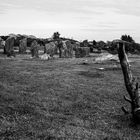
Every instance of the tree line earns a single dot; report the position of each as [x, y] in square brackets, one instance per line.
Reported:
[95, 46]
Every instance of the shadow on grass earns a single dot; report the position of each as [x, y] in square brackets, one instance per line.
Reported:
[112, 69]
[91, 74]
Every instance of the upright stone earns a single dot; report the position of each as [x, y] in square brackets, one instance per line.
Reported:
[67, 50]
[50, 48]
[34, 49]
[59, 46]
[9, 46]
[82, 52]
[2, 44]
[23, 46]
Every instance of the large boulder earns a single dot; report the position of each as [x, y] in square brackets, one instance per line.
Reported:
[82, 52]
[50, 48]
[76, 45]
[66, 49]
[106, 57]
[45, 56]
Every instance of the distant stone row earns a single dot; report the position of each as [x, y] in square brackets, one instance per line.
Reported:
[63, 48]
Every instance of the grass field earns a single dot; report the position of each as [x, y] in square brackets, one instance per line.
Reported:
[64, 99]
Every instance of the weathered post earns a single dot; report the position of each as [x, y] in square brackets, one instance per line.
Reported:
[131, 83]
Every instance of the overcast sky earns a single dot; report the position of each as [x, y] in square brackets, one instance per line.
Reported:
[78, 19]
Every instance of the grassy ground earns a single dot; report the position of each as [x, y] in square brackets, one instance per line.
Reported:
[64, 99]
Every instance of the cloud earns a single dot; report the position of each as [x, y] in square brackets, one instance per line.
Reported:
[77, 18]
[71, 6]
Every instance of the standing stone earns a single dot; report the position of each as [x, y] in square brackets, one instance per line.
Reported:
[66, 49]
[23, 46]
[82, 52]
[50, 48]
[34, 49]
[2, 44]
[59, 46]
[9, 46]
